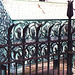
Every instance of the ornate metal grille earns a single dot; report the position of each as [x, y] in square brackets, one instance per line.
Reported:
[36, 41]
[25, 43]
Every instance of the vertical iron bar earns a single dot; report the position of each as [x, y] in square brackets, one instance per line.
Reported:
[53, 64]
[0, 70]
[37, 32]
[16, 68]
[48, 48]
[9, 42]
[23, 50]
[36, 51]
[63, 64]
[8, 60]
[5, 71]
[23, 68]
[30, 67]
[58, 63]
[59, 48]
[23, 57]
[59, 59]
[48, 54]
[69, 55]
[48, 61]
[8, 52]
[42, 66]
[36, 64]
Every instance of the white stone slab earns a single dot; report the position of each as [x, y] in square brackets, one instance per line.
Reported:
[36, 10]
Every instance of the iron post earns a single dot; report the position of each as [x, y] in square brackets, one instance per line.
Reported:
[23, 50]
[37, 32]
[48, 48]
[59, 48]
[69, 55]
[9, 42]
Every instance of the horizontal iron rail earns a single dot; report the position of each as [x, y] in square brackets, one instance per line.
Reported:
[34, 58]
[39, 19]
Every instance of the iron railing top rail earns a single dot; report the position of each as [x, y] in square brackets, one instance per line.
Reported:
[38, 19]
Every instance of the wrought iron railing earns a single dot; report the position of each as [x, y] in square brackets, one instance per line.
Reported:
[36, 41]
